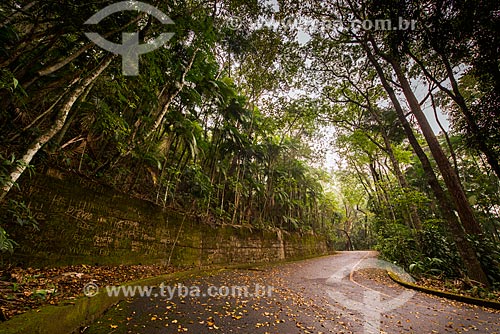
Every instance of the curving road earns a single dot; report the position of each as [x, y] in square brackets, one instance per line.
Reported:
[322, 295]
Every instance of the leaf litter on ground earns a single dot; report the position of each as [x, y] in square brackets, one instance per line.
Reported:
[24, 289]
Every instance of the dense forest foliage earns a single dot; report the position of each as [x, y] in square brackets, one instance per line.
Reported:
[227, 121]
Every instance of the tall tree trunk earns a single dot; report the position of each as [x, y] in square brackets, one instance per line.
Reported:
[237, 195]
[167, 100]
[39, 142]
[16, 13]
[450, 178]
[445, 133]
[467, 253]
[458, 98]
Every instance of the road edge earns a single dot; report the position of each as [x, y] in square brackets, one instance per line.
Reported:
[449, 295]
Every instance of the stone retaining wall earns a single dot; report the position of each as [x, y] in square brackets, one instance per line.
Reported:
[84, 222]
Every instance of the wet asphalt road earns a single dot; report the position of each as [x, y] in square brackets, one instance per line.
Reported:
[322, 295]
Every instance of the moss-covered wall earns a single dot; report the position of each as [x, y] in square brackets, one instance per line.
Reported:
[83, 222]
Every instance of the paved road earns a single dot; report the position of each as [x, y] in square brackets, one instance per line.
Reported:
[322, 295]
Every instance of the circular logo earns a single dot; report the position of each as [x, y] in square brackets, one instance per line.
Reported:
[233, 23]
[90, 289]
